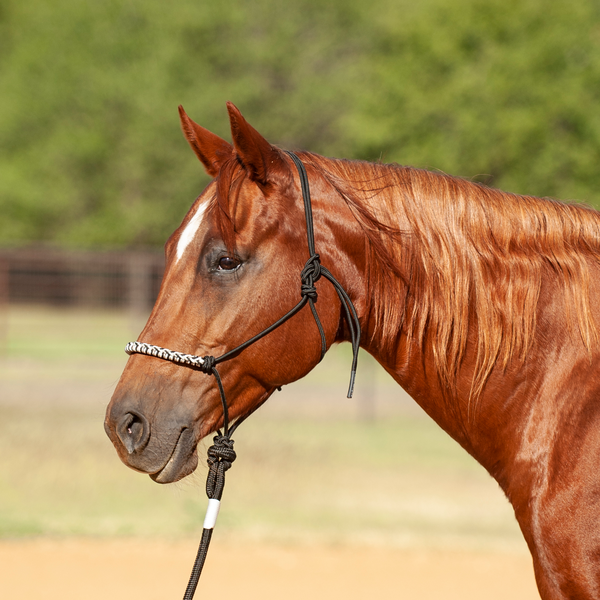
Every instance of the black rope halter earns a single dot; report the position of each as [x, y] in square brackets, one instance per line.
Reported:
[221, 453]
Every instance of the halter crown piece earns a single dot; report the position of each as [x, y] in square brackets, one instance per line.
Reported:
[221, 453]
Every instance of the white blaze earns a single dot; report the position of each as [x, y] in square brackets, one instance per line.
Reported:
[187, 235]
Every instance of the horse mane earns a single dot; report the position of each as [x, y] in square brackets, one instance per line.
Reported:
[469, 256]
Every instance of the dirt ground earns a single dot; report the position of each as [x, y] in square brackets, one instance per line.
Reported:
[153, 569]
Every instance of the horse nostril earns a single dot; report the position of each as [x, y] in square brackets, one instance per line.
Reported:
[134, 431]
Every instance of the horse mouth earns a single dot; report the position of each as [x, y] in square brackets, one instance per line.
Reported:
[182, 461]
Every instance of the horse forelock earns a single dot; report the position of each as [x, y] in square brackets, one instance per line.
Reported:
[229, 180]
[468, 256]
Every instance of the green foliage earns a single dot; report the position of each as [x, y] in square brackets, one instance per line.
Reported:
[90, 148]
[503, 89]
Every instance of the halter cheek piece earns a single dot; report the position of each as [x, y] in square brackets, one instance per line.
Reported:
[221, 454]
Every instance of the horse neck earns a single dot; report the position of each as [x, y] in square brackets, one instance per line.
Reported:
[459, 311]
[422, 318]
[369, 265]
[408, 355]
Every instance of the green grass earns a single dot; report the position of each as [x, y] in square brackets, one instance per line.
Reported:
[306, 470]
[62, 333]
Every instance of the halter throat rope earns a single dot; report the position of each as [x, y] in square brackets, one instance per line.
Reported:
[221, 453]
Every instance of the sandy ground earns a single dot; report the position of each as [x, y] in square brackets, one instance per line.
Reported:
[154, 569]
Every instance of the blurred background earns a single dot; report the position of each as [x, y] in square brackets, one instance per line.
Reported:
[360, 496]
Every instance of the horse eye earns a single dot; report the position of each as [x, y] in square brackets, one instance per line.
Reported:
[226, 263]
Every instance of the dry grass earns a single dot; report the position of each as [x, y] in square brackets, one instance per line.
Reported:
[309, 470]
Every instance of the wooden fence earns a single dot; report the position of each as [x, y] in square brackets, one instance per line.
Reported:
[78, 278]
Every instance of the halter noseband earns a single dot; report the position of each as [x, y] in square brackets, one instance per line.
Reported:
[221, 454]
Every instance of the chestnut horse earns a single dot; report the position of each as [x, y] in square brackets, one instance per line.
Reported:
[483, 305]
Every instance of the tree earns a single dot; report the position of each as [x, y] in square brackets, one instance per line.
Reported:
[505, 91]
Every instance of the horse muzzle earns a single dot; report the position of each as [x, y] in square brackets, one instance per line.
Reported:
[166, 451]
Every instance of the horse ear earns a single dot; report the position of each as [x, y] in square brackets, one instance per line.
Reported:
[212, 150]
[262, 161]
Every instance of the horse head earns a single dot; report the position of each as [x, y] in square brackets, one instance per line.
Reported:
[232, 268]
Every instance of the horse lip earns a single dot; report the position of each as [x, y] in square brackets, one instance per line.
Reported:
[181, 462]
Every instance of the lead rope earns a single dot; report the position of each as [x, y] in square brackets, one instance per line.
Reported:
[221, 454]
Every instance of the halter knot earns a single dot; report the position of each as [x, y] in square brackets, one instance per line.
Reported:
[221, 450]
[220, 456]
[309, 275]
[208, 364]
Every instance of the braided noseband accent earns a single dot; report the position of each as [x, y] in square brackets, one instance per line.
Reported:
[204, 363]
[221, 453]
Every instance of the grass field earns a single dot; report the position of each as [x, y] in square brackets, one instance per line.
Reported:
[309, 469]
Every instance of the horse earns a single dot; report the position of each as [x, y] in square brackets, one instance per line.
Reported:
[483, 305]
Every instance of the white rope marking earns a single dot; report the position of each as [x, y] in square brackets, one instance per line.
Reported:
[164, 353]
[190, 229]
[212, 512]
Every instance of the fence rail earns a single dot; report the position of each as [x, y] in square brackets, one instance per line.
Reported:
[80, 278]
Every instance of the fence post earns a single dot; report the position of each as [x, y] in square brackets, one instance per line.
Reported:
[140, 289]
[366, 389]
[4, 298]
